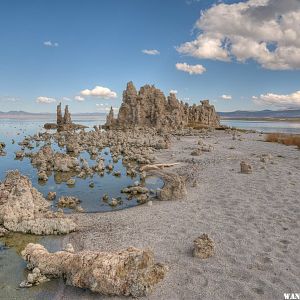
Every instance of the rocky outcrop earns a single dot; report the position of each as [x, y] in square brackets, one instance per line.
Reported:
[67, 116]
[150, 108]
[63, 123]
[174, 185]
[59, 117]
[128, 272]
[24, 209]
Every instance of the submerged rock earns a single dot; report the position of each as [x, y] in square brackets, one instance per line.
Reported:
[51, 196]
[24, 209]
[127, 272]
[203, 247]
[68, 201]
[2, 146]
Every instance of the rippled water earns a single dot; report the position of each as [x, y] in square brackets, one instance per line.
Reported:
[265, 126]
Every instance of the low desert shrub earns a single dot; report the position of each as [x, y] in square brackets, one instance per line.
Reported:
[286, 139]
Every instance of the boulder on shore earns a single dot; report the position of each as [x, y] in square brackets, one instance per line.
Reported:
[127, 272]
[24, 209]
[174, 185]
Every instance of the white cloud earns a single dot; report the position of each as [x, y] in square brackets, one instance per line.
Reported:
[79, 98]
[266, 31]
[9, 98]
[173, 92]
[281, 101]
[66, 99]
[151, 52]
[105, 107]
[99, 92]
[50, 44]
[226, 97]
[191, 69]
[45, 100]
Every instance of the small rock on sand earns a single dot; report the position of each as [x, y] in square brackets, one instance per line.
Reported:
[203, 247]
[246, 168]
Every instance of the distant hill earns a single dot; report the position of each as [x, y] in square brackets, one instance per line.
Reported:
[27, 115]
[243, 114]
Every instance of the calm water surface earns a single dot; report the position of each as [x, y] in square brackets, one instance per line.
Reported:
[265, 126]
[91, 197]
[12, 266]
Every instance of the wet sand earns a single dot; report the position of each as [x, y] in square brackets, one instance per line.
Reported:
[252, 218]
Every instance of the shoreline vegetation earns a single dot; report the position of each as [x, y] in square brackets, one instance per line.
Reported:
[285, 139]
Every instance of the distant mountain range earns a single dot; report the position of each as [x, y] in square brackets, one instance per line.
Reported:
[238, 114]
[27, 115]
[262, 114]
[21, 112]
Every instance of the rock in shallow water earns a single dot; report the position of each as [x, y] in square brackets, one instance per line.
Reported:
[127, 272]
[24, 209]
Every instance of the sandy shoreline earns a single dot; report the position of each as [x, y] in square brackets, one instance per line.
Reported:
[252, 218]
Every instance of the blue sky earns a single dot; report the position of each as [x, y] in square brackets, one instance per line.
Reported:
[55, 50]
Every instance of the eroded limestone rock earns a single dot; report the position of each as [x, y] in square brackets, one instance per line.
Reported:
[24, 209]
[128, 272]
[63, 123]
[51, 196]
[203, 247]
[150, 108]
[174, 185]
[68, 201]
[2, 146]
[246, 168]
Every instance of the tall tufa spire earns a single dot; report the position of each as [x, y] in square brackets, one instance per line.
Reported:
[67, 116]
[59, 118]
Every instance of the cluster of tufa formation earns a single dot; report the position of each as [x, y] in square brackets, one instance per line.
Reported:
[128, 272]
[150, 108]
[24, 209]
[63, 123]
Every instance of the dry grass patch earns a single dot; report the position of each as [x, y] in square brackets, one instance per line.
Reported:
[286, 139]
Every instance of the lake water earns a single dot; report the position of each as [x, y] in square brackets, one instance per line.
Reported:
[12, 266]
[91, 197]
[265, 126]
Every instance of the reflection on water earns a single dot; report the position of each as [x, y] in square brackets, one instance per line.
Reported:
[265, 126]
[89, 190]
[12, 266]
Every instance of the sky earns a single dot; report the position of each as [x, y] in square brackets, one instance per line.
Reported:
[241, 55]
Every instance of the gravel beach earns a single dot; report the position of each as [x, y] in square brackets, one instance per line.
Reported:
[253, 220]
